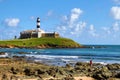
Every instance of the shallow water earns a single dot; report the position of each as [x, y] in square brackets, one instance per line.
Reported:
[103, 54]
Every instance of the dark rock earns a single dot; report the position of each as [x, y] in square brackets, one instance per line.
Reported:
[14, 71]
[78, 64]
[39, 71]
[4, 77]
[90, 70]
[27, 72]
[68, 66]
[40, 78]
[113, 66]
[117, 75]
[77, 68]
[56, 72]
[2, 53]
[52, 71]
[62, 72]
[102, 75]
[72, 71]
[97, 76]
[19, 58]
[81, 65]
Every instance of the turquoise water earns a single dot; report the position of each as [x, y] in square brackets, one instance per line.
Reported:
[103, 54]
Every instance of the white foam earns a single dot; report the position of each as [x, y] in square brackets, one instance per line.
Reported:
[101, 63]
[97, 62]
[37, 60]
[50, 57]
[4, 55]
[66, 60]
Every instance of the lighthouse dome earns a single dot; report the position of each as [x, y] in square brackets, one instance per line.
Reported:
[38, 19]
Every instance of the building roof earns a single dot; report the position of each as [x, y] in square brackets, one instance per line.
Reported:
[32, 31]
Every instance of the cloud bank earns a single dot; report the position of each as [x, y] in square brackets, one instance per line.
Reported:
[72, 25]
[12, 22]
[115, 11]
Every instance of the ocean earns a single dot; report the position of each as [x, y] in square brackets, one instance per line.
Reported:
[104, 54]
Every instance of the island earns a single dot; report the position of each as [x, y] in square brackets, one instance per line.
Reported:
[38, 38]
[46, 42]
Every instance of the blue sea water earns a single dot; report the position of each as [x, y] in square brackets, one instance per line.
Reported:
[104, 54]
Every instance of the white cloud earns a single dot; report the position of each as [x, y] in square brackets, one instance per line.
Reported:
[75, 14]
[114, 29]
[107, 30]
[70, 25]
[12, 22]
[115, 26]
[80, 26]
[62, 28]
[92, 31]
[91, 27]
[117, 1]
[115, 11]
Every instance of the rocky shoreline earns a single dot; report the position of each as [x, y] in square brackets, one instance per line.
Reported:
[40, 47]
[47, 46]
[18, 68]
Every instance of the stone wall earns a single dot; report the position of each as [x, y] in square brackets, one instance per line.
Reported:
[35, 35]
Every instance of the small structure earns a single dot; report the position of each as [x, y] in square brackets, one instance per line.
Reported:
[37, 33]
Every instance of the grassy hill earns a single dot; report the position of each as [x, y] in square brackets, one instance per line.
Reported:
[40, 43]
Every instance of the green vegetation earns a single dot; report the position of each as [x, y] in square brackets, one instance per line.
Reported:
[40, 43]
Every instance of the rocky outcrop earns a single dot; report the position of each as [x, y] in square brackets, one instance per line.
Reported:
[98, 71]
[39, 70]
[102, 74]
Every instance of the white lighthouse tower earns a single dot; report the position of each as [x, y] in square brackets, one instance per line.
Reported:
[38, 24]
[39, 31]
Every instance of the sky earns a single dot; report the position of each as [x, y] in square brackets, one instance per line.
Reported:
[85, 21]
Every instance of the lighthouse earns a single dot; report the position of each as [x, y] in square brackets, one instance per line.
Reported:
[38, 24]
[37, 33]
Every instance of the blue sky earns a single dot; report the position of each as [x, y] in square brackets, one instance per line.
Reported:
[85, 21]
